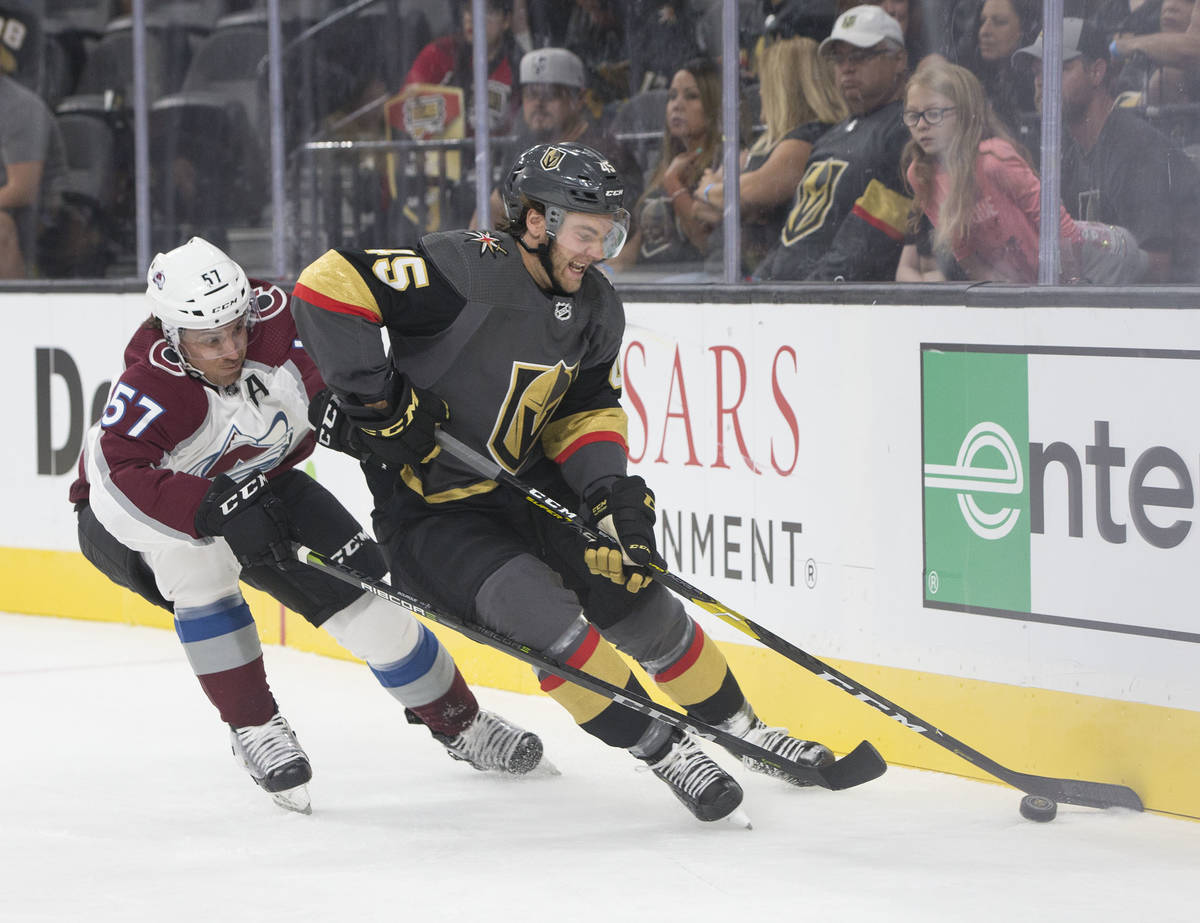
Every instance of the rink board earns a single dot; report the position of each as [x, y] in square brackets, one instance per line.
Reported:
[814, 471]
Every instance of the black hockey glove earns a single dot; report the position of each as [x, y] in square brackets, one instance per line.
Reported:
[333, 428]
[407, 436]
[249, 517]
[625, 511]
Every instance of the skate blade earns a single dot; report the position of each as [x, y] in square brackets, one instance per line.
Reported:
[294, 799]
[739, 818]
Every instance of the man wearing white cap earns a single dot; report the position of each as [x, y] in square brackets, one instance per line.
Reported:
[848, 216]
[553, 109]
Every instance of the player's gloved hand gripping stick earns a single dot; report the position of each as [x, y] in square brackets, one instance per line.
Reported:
[1068, 791]
[406, 436]
[249, 517]
[625, 511]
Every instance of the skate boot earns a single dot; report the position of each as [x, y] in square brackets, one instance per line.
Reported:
[275, 761]
[705, 789]
[746, 725]
[490, 742]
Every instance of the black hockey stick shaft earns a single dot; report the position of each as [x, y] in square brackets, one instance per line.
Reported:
[1068, 791]
[860, 765]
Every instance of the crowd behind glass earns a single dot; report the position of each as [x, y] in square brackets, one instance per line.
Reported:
[899, 141]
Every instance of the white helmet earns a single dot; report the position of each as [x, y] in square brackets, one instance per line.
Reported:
[197, 287]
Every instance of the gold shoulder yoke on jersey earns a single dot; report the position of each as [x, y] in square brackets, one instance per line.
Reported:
[334, 283]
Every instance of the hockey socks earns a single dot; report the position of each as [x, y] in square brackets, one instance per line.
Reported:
[614, 724]
[696, 675]
[222, 646]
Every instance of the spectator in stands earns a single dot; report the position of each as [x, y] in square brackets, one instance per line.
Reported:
[548, 22]
[1124, 17]
[973, 182]
[595, 32]
[1144, 81]
[662, 37]
[630, 46]
[848, 216]
[32, 166]
[1005, 26]
[908, 14]
[552, 109]
[1116, 167]
[1169, 49]
[669, 230]
[800, 102]
[448, 61]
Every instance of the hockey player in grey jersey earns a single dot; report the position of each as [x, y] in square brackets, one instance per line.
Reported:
[510, 341]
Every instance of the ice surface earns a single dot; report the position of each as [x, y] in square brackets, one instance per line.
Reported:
[120, 801]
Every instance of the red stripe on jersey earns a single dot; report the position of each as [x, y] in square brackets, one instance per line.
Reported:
[332, 304]
[587, 439]
[581, 656]
[877, 223]
[684, 663]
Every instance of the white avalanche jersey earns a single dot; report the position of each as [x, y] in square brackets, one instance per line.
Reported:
[165, 435]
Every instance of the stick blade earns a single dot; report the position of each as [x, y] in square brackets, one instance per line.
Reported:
[1084, 793]
[862, 764]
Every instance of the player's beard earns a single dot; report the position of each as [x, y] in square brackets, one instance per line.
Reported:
[558, 284]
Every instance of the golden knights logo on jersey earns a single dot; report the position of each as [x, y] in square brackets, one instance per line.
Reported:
[488, 243]
[534, 393]
[814, 198]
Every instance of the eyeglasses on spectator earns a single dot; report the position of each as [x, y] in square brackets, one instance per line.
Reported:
[932, 116]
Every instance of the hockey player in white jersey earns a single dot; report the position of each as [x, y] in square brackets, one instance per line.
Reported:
[188, 482]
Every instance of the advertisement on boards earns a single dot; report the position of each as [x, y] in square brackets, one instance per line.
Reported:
[1060, 485]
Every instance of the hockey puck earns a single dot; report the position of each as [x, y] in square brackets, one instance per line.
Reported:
[1038, 808]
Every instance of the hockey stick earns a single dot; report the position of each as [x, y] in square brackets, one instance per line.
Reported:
[860, 765]
[1068, 791]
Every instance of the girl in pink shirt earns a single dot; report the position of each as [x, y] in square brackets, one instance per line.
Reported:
[974, 182]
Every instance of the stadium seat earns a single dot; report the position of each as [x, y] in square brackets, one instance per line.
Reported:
[91, 151]
[208, 170]
[89, 16]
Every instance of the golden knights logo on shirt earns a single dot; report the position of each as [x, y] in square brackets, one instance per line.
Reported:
[488, 243]
[534, 393]
[814, 198]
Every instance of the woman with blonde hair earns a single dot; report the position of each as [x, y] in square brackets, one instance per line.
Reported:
[800, 102]
[973, 182]
[669, 229]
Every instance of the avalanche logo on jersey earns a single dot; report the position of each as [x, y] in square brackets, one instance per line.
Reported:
[163, 356]
[242, 452]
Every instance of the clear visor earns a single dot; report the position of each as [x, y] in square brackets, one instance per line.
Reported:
[600, 236]
[225, 341]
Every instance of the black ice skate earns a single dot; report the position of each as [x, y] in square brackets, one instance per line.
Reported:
[272, 755]
[491, 743]
[746, 725]
[705, 789]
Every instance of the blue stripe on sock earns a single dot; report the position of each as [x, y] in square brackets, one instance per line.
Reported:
[223, 622]
[412, 667]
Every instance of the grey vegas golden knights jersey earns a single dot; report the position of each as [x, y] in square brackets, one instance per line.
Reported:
[848, 216]
[525, 374]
